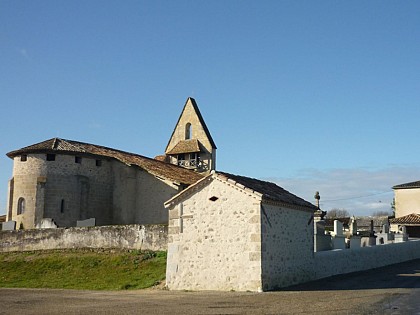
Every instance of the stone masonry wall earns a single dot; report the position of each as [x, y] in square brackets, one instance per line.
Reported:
[149, 237]
[216, 245]
[287, 246]
[84, 189]
[138, 196]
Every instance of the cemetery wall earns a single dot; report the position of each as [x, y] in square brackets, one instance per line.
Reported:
[335, 262]
[135, 236]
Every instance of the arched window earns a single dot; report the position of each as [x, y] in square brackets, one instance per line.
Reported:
[188, 131]
[21, 206]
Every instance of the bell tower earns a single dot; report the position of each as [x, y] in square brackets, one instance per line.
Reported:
[191, 145]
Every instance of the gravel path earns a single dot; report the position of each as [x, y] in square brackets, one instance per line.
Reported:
[389, 290]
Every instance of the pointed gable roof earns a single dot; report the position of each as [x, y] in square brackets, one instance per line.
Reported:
[192, 101]
[158, 168]
[262, 190]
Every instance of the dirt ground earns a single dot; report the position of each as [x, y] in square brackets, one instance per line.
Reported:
[390, 290]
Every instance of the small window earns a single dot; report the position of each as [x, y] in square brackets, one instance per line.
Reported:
[214, 198]
[21, 206]
[188, 131]
[50, 157]
[23, 158]
[98, 163]
[78, 159]
[62, 206]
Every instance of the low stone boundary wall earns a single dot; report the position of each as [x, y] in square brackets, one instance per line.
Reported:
[335, 262]
[135, 236]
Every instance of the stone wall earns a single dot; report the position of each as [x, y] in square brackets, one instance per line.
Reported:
[61, 189]
[138, 196]
[287, 246]
[215, 241]
[145, 237]
[67, 191]
[335, 262]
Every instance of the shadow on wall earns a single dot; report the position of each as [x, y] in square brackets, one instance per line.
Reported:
[403, 275]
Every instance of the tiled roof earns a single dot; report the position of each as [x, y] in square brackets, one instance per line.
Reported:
[2, 218]
[408, 185]
[268, 190]
[165, 170]
[411, 219]
[185, 146]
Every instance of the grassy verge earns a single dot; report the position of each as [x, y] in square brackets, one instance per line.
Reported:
[82, 269]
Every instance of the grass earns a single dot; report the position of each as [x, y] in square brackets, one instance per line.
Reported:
[82, 269]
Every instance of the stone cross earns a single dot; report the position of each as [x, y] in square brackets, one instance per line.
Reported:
[317, 198]
[353, 226]
[182, 216]
[372, 232]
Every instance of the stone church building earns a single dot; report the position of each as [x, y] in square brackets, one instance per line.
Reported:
[67, 181]
[225, 232]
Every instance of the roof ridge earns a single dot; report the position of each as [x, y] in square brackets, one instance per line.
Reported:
[155, 167]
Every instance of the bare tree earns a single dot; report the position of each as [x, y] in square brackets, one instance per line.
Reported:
[337, 213]
[381, 213]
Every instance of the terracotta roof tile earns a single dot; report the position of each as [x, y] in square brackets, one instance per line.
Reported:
[165, 170]
[411, 219]
[268, 190]
[185, 146]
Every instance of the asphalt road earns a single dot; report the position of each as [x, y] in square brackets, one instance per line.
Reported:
[390, 290]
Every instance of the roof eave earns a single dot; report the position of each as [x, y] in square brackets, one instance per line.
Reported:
[269, 201]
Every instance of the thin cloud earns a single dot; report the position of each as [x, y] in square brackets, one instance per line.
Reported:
[23, 52]
[359, 191]
[94, 125]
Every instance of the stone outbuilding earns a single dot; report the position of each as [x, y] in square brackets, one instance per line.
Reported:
[229, 232]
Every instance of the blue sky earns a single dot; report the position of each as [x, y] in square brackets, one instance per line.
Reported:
[313, 95]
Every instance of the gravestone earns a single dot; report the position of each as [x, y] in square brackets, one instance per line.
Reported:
[9, 225]
[338, 239]
[385, 237]
[46, 223]
[87, 222]
[401, 236]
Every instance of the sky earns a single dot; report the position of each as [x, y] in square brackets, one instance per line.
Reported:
[312, 95]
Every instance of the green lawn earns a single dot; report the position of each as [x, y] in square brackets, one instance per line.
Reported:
[82, 269]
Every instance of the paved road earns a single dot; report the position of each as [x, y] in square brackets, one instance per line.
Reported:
[390, 290]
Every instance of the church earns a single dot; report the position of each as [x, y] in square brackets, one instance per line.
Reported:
[68, 181]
